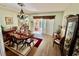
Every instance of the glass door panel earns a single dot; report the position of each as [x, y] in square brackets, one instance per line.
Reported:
[69, 35]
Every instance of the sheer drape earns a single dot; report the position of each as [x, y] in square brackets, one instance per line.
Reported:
[44, 24]
[49, 26]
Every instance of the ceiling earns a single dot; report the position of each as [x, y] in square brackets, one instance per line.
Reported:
[38, 7]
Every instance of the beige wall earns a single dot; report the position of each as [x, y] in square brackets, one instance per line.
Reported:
[7, 13]
[74, 9]
[71, 10]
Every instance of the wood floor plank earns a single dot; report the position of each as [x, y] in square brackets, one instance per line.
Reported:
[46, 48]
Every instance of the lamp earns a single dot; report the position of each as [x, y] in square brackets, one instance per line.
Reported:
[21, 14]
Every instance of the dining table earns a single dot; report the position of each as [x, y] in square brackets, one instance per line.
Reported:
[18, 37]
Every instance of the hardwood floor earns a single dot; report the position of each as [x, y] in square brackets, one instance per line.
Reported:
[9, 53]
[45, 48]
[33, 51]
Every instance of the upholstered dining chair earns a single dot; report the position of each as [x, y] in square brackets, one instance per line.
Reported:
[16, 41]
[28, 42]
[60, 43]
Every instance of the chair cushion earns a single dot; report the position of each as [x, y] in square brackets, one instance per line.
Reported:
[57, 41]
[29, 41]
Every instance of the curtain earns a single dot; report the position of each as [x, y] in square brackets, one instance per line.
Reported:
[49, 27]
[2, 48]
[44, 17]
[44, 24]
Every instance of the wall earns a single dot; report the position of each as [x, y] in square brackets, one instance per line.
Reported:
[73, 9]
[57, 21]
[70, 10]
[7, 13]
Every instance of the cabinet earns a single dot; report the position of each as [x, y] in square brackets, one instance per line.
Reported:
[71, 37]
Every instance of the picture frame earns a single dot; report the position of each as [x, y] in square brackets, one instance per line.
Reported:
[9, 20]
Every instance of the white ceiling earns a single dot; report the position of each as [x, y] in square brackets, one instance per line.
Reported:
[38, 7]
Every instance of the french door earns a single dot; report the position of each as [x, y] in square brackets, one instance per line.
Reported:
[45, 26]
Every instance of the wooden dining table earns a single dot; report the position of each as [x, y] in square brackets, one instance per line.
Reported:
[18, 37]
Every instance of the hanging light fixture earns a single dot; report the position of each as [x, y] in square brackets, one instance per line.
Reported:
[21, 14]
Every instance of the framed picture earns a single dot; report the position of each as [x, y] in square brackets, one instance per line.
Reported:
[9, 20]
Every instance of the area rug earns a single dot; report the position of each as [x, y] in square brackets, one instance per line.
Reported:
[26, 49]
[38, 42]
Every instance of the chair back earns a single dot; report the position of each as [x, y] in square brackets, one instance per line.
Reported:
[14, 39]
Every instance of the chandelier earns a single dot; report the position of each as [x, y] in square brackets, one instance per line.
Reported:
[21, 14]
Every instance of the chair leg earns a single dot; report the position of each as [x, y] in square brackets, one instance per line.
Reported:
[23, 45]
[33, 43]
[61, 49]
[17, 47]
[53, 44]
[30, 46]
[12, 44]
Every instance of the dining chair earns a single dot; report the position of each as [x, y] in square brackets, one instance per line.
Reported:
[60, 44]
[28, 42]
[16, 41]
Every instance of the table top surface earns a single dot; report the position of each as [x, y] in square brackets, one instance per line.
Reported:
[18, 36]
